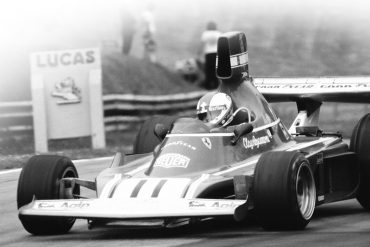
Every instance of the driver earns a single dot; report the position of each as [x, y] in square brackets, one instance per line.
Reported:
[215, 109]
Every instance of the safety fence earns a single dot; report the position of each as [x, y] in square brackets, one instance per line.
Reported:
[121, 111]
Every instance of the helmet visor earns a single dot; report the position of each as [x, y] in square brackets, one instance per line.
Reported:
[216, 112]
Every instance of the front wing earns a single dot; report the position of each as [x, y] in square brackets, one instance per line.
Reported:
[133, 208]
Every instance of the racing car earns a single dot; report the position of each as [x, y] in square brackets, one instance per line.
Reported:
[183, 170]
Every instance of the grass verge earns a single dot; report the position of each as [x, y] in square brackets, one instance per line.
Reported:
[16, 150]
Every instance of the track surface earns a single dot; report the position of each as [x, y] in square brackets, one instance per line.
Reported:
[338, 224]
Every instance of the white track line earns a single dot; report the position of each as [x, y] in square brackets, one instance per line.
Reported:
[10, 171]
[76, 162]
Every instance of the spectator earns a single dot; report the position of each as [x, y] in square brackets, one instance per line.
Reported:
[190, 69]
[149, 43]
[128, 28]
[209, 51]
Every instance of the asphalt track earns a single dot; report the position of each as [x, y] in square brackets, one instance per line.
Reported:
[337, 224]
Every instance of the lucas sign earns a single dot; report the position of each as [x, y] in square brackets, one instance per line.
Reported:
[67, 96]
[64, 59]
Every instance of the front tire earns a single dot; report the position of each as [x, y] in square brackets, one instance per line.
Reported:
[40, 179]
[284, 191]
[360, 144]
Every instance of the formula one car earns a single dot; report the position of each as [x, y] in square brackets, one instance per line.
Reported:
[183, 170]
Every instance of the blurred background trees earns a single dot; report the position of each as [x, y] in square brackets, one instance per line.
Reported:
[285, 38]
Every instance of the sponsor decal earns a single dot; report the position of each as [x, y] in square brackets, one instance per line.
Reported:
[180, 143]
[287, 86]
[238, 60]
[245, 74]
[217, 108]
[64, 205]
[254, 142]
[214, 205]
[67, 92]
[45, 205]
[172, 160]
[207, 142]
[72, 205]
[204, 107]
[313, 86]
[67, 58]
[193, 204]
[224, 205]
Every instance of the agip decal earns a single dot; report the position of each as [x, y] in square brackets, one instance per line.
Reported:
[216, 205]
[172, 160]
[62, 205]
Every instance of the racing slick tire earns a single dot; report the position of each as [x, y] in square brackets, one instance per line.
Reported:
[360, 144]
[40, 179]
[146, 140]
[284, 191]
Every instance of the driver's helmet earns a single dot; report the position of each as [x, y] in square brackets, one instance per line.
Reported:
[215, 109]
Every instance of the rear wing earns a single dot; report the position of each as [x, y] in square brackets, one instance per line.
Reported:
[310, 92]
[319, 89]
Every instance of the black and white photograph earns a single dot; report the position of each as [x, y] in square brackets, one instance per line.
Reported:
[183, 123]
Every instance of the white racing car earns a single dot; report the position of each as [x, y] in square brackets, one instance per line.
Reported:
[184, 170]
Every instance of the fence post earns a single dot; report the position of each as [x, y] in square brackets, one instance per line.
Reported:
[39, 114]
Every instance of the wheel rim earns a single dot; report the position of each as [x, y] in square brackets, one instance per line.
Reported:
[306, 191]
[68, 173]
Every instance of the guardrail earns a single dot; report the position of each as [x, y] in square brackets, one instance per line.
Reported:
[121, 111]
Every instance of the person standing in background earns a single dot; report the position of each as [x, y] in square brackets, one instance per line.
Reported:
[149, 43]
[209, 40]
[128, 28]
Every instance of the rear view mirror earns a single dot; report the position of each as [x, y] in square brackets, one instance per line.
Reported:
[116, 160]
[240, 130]
[160, 131]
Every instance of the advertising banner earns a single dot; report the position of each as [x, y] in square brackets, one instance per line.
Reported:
[67, 96]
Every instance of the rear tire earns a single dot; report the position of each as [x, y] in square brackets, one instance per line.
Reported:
[146, 140]
[284, 191]
[360, 144]
[40, 179]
